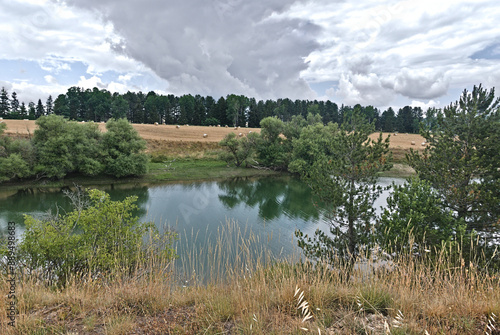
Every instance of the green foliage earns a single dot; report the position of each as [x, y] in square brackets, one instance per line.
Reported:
[343, 173]
[96, 238]
[315, 141]
[51, 140]
[124, 148]
[60, 147]
[13, 166]
[415, 211]
[238, 150]
[273, 150]
[211, 121]
[16, 157]
[462, 158]
[63, 147]
[86, 148]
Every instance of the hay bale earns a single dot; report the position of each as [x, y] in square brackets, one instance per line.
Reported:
[412, 142]
[423, 144]
[177, 126]
[240, 134]
[205, 135]
[156, 123]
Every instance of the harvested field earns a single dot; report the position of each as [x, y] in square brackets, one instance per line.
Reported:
[151, 131]
[195, 133]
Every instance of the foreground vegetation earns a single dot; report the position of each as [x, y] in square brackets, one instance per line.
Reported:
[412, 295]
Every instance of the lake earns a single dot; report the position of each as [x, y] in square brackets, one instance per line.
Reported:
[260, 215]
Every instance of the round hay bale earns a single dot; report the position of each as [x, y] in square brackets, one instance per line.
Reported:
[240, 134]
[205, 135]
[412, 142]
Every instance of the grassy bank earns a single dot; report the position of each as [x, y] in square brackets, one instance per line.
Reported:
[412, 296]
[171, 161]
[175, 161]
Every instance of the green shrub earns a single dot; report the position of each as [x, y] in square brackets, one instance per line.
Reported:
[124, 150]
[415, 210]
[98, 237]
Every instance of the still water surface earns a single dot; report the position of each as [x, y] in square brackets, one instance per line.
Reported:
[201, 212]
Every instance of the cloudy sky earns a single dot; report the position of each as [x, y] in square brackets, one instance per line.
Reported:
[372, 52]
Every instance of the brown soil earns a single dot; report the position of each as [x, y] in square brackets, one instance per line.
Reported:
[196, 133]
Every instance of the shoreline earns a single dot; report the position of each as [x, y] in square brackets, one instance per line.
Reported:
[182, 170]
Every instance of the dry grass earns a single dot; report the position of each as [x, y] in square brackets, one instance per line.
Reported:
[262, 296]
[150, 131]
[195, 133]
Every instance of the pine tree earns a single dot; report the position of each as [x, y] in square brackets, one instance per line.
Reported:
[4, 102]
[342, 167]
[31, 109]
[462, 158]
[40, 110]
[49, 105]
[14, 103]
[23, 112]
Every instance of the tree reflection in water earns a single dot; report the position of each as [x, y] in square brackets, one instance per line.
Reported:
[273, 197]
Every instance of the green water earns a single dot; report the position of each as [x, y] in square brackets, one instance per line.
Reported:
[264, 212]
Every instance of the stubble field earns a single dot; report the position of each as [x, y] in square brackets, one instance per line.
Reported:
[196, 133]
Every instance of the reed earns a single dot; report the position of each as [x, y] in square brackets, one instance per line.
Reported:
[236, 286]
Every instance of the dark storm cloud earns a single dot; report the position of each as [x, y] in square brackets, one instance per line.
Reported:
[215, 47]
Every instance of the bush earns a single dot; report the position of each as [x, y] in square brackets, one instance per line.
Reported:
[238, 151]
[98, 237]
[415, 210]
[124, 150]
[12, 167]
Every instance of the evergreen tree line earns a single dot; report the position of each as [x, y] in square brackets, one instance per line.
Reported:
[233, 110]
[60, 147]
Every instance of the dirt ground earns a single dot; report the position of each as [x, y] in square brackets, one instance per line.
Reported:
[196, 133]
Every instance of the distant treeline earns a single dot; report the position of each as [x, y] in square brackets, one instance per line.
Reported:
[233, 110]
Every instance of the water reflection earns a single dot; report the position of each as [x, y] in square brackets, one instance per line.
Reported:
[273, 197]
[38, 201]
[269, 210]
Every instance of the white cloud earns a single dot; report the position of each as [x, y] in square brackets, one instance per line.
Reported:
[421, 83]
[425, 105]
[91, 82]
[50, 79]
[362, 89]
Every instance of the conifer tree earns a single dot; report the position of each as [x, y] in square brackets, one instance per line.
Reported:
[462, 158]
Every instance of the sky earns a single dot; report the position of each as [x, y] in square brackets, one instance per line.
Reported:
[372, 52]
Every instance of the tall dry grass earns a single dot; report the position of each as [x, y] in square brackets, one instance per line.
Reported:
[247, 291]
